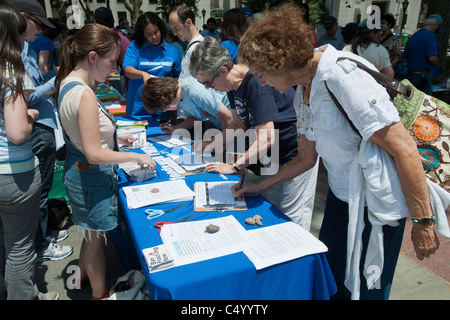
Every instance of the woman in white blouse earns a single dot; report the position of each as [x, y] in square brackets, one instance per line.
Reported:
[282, 60]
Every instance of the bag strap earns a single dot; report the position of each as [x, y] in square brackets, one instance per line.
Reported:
[387, 38]
[339, 106]
[66, 89]
[190, 45]
[72, 85]
[392, 85]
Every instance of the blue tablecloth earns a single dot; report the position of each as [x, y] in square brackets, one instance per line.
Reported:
[229, 277]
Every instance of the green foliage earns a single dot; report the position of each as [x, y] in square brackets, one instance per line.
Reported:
[217, 13]
[317, 10]
[166, 6]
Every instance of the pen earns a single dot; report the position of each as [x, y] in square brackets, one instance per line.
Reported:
[242, 173]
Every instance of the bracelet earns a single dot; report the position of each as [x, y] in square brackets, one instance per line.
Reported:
[426, 220]
[236, 169]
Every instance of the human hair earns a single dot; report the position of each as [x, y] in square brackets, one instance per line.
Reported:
[52, 33]
[362, 39]
[233, 26]
[158, 92]
[208, 56]
[305, 8]
[271, 46]
[92, 37]
[431, 21]
[12, 24]
[389, 19]
[211, 19]
[143, 21]
[184, 13]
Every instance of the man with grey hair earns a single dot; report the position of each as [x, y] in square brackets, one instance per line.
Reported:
[421, 54]
[269, 116]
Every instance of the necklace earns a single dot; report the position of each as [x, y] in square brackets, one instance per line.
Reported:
[308, 84]
[303, 109]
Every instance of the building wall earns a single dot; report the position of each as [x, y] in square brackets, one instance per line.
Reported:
[347, 11]
[118, 9]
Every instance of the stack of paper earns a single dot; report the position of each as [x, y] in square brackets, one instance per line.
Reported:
[116, 107]
[138, 133]
[193, 163]
[137, 172]
[157, 259]
[124, 124]
[170, 141]
[155, 193]
[217, 195]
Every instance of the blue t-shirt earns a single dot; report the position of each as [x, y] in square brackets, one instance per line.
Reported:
[200, 102]
[267, 104]
[206, 33]
[39, 99]
[14, 158]
[232, 48]
[161, 61]
[419, 47]
[42, 43]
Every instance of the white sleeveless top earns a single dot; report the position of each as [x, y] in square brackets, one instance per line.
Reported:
[68, 112]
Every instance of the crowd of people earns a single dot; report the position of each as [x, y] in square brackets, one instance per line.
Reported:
[252, 75]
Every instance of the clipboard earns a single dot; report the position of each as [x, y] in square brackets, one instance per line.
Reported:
[206, 191]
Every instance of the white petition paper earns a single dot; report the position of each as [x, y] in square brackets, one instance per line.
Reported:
[282, 242]
[189, 242]
[160, 192]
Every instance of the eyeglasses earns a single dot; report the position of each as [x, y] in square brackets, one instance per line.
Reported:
[209, 85]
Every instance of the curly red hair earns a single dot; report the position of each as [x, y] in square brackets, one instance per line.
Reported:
[277, 42]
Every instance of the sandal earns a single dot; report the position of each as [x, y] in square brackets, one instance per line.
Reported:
[103, 297]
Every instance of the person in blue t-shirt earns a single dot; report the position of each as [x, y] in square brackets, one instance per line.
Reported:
[44, 49]
[232, 29]
[421, 54]
[188, 94]
[211, 30]
[148, 55]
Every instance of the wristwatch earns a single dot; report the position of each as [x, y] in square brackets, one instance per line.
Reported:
[426, 220]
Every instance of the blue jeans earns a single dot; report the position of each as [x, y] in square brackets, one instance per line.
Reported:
[421, 81]
[19, 217]
[44, 147]
[333, 234]
[92, 191]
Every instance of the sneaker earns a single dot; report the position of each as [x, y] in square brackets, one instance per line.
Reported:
[54, 252]
[58, 235]
[51, 295]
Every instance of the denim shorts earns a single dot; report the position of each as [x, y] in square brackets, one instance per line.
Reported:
[92, 193]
